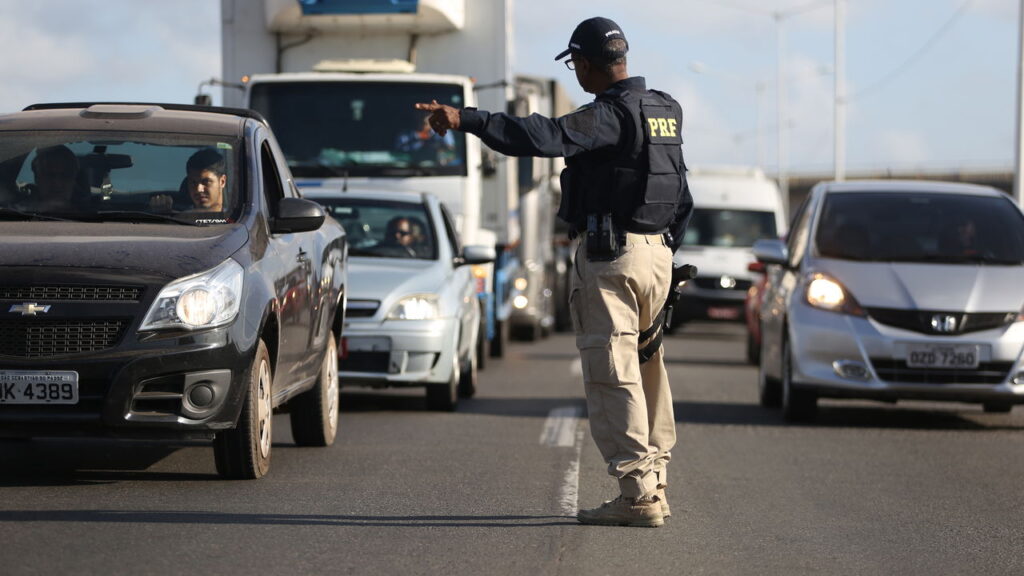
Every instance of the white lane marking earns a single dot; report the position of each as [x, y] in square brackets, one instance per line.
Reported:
[568, 496]
[576, 367]
[562, 429]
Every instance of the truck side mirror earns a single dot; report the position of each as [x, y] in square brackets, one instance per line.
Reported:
[203, 100]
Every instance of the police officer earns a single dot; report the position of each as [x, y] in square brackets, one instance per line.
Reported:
[624, 195]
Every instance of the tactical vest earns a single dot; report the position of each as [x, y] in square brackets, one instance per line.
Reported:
[640, 186]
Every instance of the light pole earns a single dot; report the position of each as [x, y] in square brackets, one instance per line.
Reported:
[1018, 182]
[839, 106]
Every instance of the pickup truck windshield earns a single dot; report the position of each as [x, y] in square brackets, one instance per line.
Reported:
[356, 128]
[119, 176]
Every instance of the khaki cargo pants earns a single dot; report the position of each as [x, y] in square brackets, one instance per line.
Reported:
[629, 404]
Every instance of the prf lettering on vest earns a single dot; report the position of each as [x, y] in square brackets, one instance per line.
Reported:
[662, 127]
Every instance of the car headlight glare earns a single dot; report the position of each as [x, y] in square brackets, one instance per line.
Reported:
[520, 284]
[205, 300]
[828, 294]
[420, 307]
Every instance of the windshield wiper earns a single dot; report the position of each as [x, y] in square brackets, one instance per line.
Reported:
[12, 214]
[139, 216]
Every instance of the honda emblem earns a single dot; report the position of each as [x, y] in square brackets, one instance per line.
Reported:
[945, 323]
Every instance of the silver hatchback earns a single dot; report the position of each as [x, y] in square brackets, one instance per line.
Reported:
[891, 290]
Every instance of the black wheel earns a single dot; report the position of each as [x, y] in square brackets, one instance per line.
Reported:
[797, 405]
[528, 333]
[468, 377]
[753, 349]
[243, 453]
[314, 413]
[500, 341]
[997, 407]
[445, 397]
[483, 346]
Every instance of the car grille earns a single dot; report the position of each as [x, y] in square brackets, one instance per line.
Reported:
[361, 308]
[77, 293]
[715, 283]
[897, 371]
[365, 362]
[40, 338]
[921, 320]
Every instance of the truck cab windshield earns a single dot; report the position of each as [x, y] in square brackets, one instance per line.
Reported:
[357, 128]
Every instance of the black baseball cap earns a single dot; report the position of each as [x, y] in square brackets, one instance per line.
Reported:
[590, 37]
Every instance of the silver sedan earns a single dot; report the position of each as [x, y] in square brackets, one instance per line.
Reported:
[892, 290]
[413, 315]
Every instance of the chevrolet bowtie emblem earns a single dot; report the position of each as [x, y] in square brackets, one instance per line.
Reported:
[29, 309]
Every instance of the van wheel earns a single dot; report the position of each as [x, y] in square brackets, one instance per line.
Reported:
[314, 413]
[243, 453]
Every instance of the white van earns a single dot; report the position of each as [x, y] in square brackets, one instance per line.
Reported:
[733, 207]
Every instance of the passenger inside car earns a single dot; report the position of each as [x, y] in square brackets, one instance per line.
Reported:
[55, 172]
[205, 183]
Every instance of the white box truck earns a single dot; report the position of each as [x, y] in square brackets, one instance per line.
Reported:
[337, 79]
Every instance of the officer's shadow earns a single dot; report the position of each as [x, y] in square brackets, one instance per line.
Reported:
[255, 519]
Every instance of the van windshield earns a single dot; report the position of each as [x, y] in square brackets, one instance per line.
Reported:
[729, 228]
[355, 128]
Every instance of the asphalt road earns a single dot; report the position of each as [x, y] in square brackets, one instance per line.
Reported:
[916, 488]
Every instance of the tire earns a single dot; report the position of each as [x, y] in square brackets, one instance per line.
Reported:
[528, 333]
[483, 346]
[468, 377]
[243, 453]
[797, 405]
[500, 341]
[753, 349]
[445, 397]
[314, 413]
[769, 390]
[997, 407]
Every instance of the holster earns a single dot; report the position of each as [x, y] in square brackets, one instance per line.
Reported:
[603, 241]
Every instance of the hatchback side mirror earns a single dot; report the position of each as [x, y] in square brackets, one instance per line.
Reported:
[771, 251]
[297, 215]
[476, 254]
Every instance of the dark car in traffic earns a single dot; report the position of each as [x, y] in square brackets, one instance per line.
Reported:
[161, 277]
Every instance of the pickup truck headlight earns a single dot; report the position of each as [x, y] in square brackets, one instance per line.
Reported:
[203, 300]
[419, 307]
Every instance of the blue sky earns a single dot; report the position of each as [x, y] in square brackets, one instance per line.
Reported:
[949, 106]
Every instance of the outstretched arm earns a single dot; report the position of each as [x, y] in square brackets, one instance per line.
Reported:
[593, 127]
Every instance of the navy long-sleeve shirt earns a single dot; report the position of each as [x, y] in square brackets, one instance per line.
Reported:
[597, 126]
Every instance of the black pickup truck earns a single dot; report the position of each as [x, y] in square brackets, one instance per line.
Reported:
[161, 277]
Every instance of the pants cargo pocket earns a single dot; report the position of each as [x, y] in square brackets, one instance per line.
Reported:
[609, 360]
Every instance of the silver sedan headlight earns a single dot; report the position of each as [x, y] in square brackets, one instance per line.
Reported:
[205, 300]
[418, 307]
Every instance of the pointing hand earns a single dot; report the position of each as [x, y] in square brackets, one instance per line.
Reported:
[442, 118]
